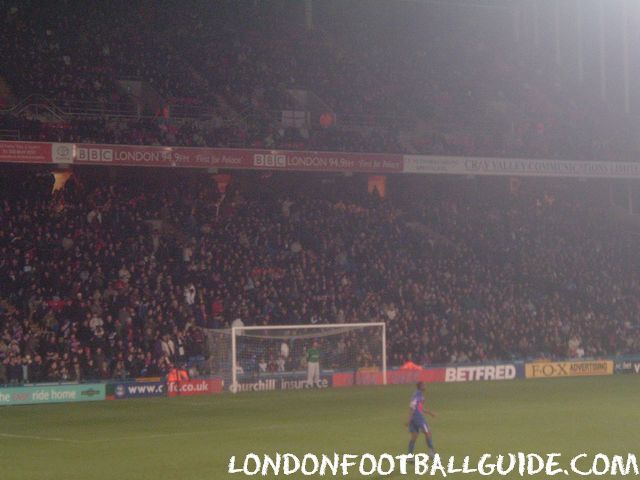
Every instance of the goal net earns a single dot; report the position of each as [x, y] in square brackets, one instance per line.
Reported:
[297, 356]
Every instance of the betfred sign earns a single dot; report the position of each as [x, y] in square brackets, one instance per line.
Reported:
[569, 369]
[481, 372]
[194, 387]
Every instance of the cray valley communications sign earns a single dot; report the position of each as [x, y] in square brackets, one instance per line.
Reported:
[52, 394]
[428, 164]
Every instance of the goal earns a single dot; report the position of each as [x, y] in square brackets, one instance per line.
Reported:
[275, 357]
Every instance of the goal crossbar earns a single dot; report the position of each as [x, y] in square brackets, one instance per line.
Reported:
[336, 327]
[307, 326]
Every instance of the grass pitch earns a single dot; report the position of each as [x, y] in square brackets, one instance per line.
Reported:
[192, 438]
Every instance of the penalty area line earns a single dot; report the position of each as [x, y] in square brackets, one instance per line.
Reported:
[150, 436]
[279, 426]
[36, 437]
[180, 434]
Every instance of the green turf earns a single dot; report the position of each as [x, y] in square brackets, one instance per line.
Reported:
[192, 438]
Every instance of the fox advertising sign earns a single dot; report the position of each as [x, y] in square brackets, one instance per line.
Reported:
[585, 368]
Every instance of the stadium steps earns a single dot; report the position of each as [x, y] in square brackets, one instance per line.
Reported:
[142, 94]
[6, 94]
[38, 106]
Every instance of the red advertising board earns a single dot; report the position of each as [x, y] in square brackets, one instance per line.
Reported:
[427, 375]
[153, 156]
[194, 387]
[398, 377]
[235, 158]
[25, 152]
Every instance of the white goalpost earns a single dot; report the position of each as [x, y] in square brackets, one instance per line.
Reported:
[275, 357]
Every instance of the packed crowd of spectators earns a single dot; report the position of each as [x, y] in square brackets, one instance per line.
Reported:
[118, 278]
[217, 133]
[435, 90]
[76, 51]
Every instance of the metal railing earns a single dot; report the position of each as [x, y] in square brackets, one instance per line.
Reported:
[372, 120]
[81, 108]
[64, 109]
[7, 134]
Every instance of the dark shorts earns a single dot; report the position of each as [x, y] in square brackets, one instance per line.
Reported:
[418, 425]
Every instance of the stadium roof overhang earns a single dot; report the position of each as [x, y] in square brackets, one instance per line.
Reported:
[472, 3]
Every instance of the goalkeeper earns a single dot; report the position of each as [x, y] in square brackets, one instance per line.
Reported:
[313, 366]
